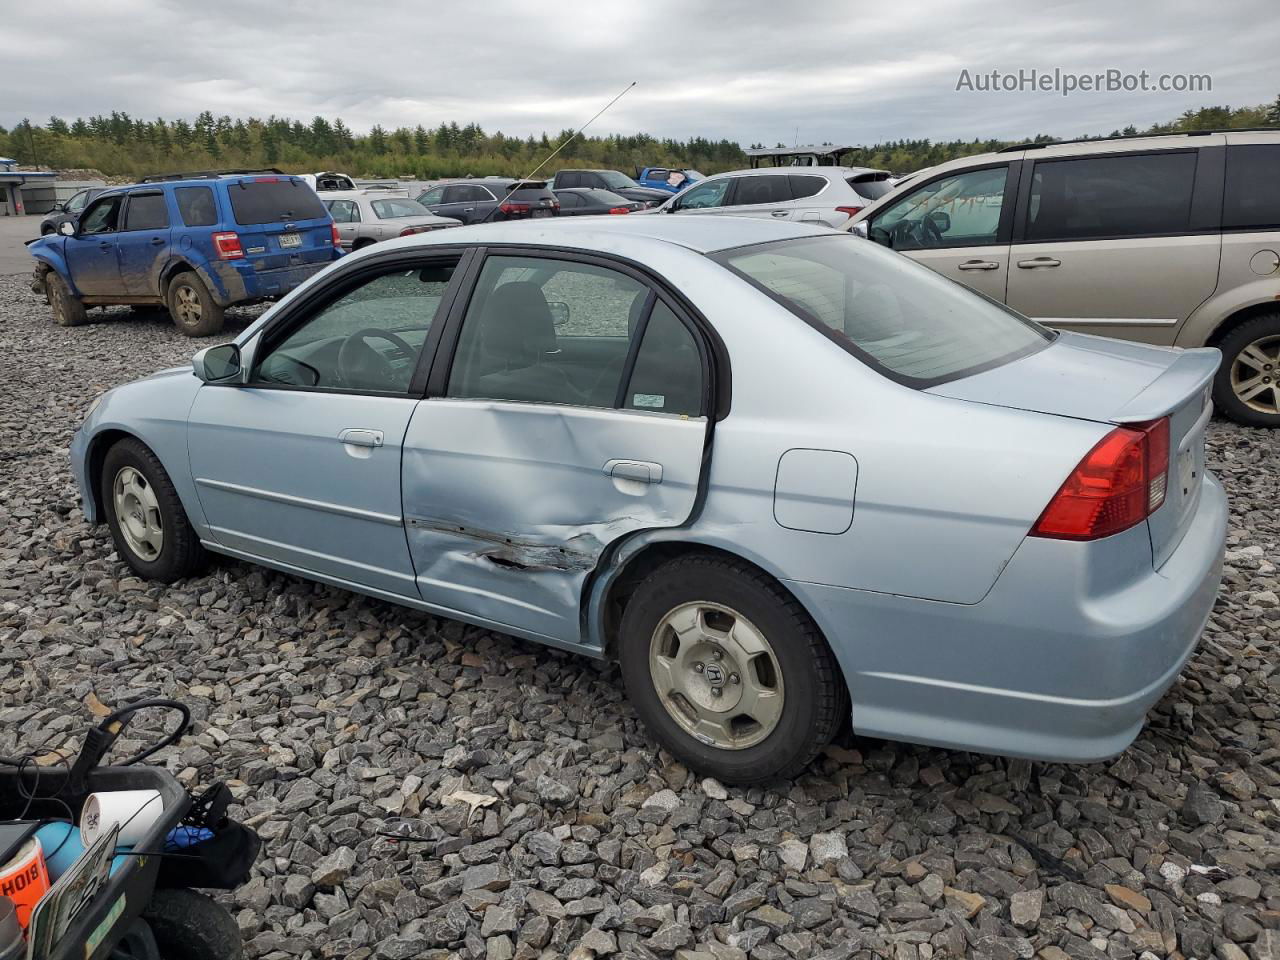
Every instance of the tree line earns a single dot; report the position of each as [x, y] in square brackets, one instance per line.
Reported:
[121, 145]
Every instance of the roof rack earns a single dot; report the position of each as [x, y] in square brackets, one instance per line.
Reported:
[209, 174]
[1013, 147]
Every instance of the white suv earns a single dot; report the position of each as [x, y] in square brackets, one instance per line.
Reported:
[829, 195]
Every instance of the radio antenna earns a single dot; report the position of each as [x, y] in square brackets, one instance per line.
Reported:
[567, 140]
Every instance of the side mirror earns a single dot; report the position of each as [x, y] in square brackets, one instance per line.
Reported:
[67, 228]
[881, 236]
[941, 219]
[57, 207]
[859, 228]
[559, 312]
[217, 364]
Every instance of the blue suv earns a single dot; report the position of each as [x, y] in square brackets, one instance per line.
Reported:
[194, 244]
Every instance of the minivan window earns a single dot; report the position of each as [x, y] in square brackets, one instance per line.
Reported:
[1252, 199]
[1126, 195]
[906, 321]
[274, 200]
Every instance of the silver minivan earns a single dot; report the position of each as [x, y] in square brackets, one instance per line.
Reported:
[1171, 240]
[825, 195]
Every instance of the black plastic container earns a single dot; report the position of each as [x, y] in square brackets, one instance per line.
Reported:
[129, 889]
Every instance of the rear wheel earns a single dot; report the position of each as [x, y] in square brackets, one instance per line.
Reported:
[728, 671]
[189, 926]
[361, 244]
[68, 311]
[1247, 385]
[194, 311]
[147, 521]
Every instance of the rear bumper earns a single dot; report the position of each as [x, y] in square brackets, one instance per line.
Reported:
[237, 281]
[1060, 661]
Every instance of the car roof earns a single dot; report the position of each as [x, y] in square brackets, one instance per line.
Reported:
[705, 233]
[796, 171]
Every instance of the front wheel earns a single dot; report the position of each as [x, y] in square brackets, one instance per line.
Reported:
[1247, 386]
[189, 926]
[68, 311]
[728, 671]
[193, 309]
[147, 521]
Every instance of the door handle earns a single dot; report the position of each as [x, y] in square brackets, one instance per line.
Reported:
[779, 213]
[104, 246]
[1039, 262]
[156, 241]
[643, 471]
[359, 437]
[468, 209]
[979, 265]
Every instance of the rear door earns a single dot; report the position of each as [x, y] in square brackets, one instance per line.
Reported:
[142, 246]
[281, 222]
[545, 439]
[957, 224]
[91, 253]
[1123, 244]
[762, 196]
[346, 216]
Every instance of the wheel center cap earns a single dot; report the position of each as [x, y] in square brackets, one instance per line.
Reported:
[715, 675]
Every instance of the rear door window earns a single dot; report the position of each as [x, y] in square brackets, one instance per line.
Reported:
[196, 206]
[344, 211]
[146, 211]
[1252, 200]
[805, 186]
[753, 190]
[1126, 195]
[274, 200]
[913, 325]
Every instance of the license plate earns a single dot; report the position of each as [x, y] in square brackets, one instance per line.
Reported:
[290, 239]
[542, 213]
[1186, 470]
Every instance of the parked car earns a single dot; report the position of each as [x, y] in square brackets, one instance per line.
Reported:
[670, 179]
[1173, 240]
[328, 181]
[491, 200]
[67, 211]
[364, 218]
[826, 195]
[195, 246]
[613, 180]
[579, 201]
[933, 515]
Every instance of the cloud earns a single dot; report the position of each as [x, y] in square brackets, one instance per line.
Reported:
[749, 71]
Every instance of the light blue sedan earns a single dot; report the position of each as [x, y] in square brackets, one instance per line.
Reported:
[785, 477]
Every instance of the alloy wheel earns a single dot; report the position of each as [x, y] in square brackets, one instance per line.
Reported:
[187, 305]
[717, 675]
[138, 513]
[1255, 375]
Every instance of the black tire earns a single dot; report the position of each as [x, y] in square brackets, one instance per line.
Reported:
[1224, 397]
[68, 311]
[180, 553]
[189, 926]
[192, 307]
[816, 699]
[46, 230]
[361, 244]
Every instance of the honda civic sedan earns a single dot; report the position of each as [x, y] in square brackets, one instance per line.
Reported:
[785, 478]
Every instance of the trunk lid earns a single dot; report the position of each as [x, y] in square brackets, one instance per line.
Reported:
[1114, 381]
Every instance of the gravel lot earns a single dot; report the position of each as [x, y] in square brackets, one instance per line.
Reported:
[553, 826]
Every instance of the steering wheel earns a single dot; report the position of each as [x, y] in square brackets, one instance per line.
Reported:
[360, 365]
[931, 234]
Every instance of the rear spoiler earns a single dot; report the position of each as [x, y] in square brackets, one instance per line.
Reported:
[1191, 372]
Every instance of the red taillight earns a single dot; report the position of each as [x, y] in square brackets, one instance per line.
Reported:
[336, 238]
[510, 207]
[1118, 484]
[619, 209]
[227, 246]
[849, 210]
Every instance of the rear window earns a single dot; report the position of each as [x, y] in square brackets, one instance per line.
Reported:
[871, 186]
[903, 319]
[527, 191]
[399, 207]
[271, 200]
[1253, 187]
[196, 206]
[802, 187]
[146, 211]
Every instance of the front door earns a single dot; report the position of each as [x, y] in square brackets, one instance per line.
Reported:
[956, 225]
[550, 437]
[91, 253]
[143, 243]
[710, 196]
[1108, 246]
[300, 465]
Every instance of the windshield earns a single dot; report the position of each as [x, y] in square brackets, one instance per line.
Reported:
[399, 207]
[617, 181]
[903, 319]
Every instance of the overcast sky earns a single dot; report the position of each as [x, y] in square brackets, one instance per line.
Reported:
[840, 71]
